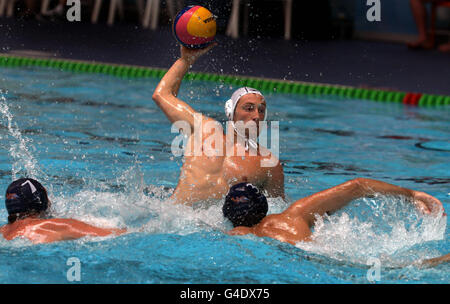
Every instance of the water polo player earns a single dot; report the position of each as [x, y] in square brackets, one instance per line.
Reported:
[27, 204]
[206, 177]
[246, 207]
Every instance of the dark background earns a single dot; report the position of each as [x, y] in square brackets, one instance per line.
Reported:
[332, 42]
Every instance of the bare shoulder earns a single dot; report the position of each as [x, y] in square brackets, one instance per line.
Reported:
[266, 226]
[76, 228]
[66, 225]
[61, 221]
[275, 177]
[267, 154]
[271, 220]
[241, 230]
[283, 228]
[270, 162]
[208, 122]
[207, 125]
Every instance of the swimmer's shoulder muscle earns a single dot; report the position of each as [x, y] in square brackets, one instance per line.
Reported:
[278, 227]
[52, 230]
[283, 228]
[76, 228]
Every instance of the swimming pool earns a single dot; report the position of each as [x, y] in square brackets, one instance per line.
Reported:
[102, 147]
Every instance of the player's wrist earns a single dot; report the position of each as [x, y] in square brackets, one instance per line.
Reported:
[187, 59]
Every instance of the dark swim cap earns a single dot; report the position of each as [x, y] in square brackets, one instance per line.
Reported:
[245, 205]
[25, 195]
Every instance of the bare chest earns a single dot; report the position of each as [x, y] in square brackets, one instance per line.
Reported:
[228, 169]
[244, 169]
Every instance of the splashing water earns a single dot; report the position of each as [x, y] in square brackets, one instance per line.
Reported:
[24, 164]
[383, 227]
[387, 228]
[139, 207]
[102, 204]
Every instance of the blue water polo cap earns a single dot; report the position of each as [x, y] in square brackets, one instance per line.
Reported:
[245, 205]
[25, 195]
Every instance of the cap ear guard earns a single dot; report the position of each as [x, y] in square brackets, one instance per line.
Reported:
[229, 109]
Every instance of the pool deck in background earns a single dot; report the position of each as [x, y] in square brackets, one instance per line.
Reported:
[346, 62]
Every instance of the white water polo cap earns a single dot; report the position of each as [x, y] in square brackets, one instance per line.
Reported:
[230, 105]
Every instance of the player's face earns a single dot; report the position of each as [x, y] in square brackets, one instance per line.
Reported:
[251, 107]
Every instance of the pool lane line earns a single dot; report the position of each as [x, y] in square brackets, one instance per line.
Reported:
[262, 84]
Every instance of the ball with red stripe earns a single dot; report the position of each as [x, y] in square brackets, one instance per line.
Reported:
[194, 27]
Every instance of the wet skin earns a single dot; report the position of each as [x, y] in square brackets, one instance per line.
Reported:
[294, 224]
[206, 177]
[52, 230]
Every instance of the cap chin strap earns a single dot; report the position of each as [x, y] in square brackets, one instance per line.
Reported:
[247, 141]
[230, 106]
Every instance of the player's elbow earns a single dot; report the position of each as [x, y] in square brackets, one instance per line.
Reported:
[359, 183]
[357, 180]
[156, 96]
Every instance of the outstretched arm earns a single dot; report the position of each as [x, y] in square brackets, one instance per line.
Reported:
[337, 197]
[165, 94]
[435, 261]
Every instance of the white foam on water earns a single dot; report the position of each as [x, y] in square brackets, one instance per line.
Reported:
[149, 211]
[140, 211]
[100, 205]
[19, 242]
[350, 235]
[388, 228]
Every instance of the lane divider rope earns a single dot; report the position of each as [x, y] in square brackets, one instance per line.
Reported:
[263, 84]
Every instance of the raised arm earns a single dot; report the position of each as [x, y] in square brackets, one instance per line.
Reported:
[165, 94]
[337, 197]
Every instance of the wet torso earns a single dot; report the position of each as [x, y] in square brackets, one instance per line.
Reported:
[210, 177]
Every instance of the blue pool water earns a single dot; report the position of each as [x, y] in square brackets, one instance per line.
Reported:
[102, 148]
